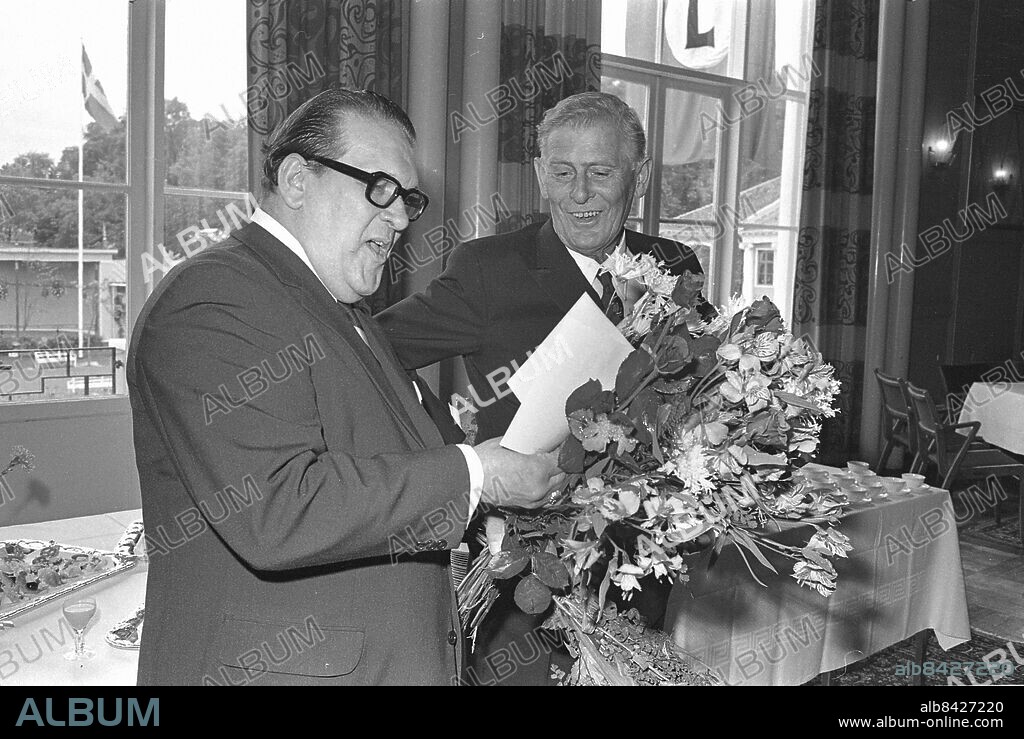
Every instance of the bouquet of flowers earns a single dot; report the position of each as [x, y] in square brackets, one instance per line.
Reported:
[693, 449]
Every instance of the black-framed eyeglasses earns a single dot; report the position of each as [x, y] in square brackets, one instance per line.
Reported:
[381, 188]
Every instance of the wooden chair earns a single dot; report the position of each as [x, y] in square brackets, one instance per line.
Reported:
[952, 450]
[896, 418]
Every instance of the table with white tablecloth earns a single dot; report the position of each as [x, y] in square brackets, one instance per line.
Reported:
[32, 652]
[902, 577]
[999, 408]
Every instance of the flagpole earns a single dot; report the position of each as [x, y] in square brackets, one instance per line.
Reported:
[81, 219]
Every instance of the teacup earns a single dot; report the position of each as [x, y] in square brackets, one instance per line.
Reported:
[912, 480]
[858, 466]
[892, 484]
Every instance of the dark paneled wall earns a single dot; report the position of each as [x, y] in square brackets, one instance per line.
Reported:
[968, 298]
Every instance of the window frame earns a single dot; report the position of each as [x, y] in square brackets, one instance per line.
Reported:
[658, 78]
[760, 249]
[144, 190]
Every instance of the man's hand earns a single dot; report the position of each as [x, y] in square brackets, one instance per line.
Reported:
[517, 480]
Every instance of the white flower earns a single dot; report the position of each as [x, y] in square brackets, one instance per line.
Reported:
[661, 283]
[628, 266]
[626, 578]
[830, 542]
[690, 464]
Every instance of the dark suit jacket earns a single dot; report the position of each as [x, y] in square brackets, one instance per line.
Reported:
[498, 298]
[281, 466]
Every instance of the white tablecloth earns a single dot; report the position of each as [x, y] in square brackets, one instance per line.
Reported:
[999, 406]
[902, 577]
[32, 652]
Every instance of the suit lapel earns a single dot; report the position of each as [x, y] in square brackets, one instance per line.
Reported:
[321, 305]
[555, 271]
[382, 351]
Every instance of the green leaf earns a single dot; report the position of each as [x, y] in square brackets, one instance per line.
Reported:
[583, 396]
[673, 355]
[762, 312]
[549, 570]
[687, 288]
[572, 457]
[532, 595]
[632, 371]
[796, 400]
[505, 565]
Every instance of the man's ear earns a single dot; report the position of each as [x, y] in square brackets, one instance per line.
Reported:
[538, 168]
[643, 178]
[292, 180]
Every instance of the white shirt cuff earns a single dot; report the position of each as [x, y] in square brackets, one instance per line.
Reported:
[476, 477]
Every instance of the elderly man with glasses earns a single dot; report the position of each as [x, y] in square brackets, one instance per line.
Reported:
[500, 296]
[299, 503]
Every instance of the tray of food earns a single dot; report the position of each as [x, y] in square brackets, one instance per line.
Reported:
[33, 573]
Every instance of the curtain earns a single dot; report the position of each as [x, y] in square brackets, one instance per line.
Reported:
[832, 264]
[550, 49]
[297, 48]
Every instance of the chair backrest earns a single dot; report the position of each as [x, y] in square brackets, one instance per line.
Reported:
[928, 425]
[894, 403]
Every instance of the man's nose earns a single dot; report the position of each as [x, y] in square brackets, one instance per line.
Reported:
[580, 189]
[395, 216]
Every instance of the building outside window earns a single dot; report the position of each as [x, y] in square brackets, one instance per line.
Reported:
[67, 259]
[722, 86]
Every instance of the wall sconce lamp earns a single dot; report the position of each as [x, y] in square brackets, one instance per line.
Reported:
[1002, 179]
[941, 154]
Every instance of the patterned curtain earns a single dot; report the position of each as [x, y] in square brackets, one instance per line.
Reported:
[297, 48]
[831, 288]
[550, 49]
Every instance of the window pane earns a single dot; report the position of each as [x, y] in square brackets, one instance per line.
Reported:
[44, 114]
[701, 238]
[635, 96]
[779, 42]
[191, 224]
[689, 155]
[771, 160]
[766, 258]
[60, 337]
[704, 35]
[630, 28]
[205, 130]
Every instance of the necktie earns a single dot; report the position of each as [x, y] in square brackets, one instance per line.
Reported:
[611, 303]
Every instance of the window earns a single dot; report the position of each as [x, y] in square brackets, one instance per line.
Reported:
[69, 254]
[722, 86]
[765, 265]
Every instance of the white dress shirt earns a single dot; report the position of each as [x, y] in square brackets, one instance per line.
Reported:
[282, 234]
[590, 267]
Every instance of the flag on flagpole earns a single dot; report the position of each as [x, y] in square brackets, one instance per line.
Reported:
[6, 211]
[96, 102]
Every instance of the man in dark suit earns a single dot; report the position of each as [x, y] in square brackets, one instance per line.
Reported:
[299, 503]
[500, 296]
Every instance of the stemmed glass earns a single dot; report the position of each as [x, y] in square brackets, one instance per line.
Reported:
[79, 612]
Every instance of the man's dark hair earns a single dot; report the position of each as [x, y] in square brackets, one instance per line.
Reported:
[317, 128]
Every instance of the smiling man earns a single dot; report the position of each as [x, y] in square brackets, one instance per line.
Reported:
[269, 408]
[500, 296]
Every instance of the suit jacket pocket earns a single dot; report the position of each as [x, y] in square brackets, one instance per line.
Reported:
[303, 648]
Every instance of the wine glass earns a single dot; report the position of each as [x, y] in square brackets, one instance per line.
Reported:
[79, 612]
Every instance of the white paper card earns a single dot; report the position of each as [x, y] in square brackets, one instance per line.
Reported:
[584, 345]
